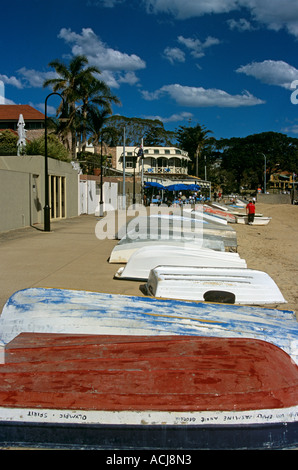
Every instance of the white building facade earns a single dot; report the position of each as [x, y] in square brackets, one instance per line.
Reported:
[156, 160]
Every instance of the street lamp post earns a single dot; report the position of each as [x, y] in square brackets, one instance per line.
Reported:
[101, 184]
[47, 218]
[265, 176]
[134, 180]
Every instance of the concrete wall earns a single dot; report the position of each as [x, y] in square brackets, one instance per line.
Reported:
[22, 189]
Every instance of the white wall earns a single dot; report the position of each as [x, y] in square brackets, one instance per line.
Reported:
[90, 196]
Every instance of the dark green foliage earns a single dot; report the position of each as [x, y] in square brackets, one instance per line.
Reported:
[8, 143]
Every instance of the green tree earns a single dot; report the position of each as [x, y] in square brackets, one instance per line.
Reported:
[8, 143]
[94, 95]
[95, 125]
[196, 142]
[77, 83]
[245, 157]
[136, 129]
[55, 149]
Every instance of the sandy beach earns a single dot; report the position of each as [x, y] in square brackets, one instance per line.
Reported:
[72, 257]
[273, 248]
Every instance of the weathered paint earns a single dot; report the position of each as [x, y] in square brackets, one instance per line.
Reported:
[123, 251]
[146, 258]
[68, 311]
[220, 213]
[243, 286]
[119, 386]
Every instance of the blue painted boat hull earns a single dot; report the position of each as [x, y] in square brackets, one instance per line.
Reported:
[68, 311]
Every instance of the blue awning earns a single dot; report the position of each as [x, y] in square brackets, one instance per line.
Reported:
[172, 187]
[153, 184]
[183, 187]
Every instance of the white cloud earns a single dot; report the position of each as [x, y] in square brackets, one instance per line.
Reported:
[196, 46]
[129, 77]
[184, 116]
[271, 72]
[27, 78]
[241, 25]
[99, 54]
[104, 3]
[116, 67]
[293, 129]
[275, 14]
[174, 54]
[183, 9]
[34, 78]
[201, 97]
[11, 81]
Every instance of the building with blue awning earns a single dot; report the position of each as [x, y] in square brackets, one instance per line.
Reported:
[166, 161]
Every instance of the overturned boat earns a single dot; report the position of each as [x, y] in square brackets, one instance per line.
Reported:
[172, 392]
[258, 220]
[220, 213]
[41, 310]
[173, 226]
[228, 285]
[144, 259]
[125, 248]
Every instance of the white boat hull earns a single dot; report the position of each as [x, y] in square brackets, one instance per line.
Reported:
[168, 227]
[230, 285]
[123, 251]
[40, 310]
[257, 220]
[143, 260]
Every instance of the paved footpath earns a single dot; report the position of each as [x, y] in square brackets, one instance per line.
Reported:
[70, 256]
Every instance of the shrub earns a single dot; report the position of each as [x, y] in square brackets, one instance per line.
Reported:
[55, 148]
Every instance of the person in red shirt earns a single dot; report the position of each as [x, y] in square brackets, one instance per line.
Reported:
[250, 210]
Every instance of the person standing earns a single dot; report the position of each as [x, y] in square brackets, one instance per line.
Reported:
[250, 210]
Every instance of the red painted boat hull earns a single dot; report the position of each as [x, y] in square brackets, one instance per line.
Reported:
[143, 392]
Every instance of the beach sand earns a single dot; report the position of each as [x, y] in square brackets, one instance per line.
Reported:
[29, 258]
[72, 257]
[273, 248]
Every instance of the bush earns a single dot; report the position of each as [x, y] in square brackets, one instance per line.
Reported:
[8, 143]
[55, 148]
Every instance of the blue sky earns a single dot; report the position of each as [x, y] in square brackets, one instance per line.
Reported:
[227, 65]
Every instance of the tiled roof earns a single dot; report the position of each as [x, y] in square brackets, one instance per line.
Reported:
[10, 112]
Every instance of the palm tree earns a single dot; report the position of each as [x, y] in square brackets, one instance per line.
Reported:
[96, 120]
[194, 140]
[69, 80]
[94, 94]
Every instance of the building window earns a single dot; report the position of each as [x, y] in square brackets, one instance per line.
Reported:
[129, 162]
